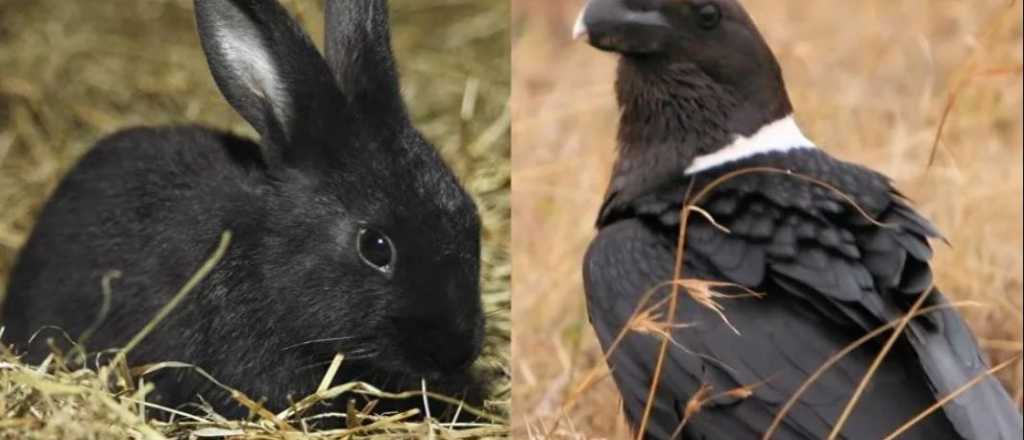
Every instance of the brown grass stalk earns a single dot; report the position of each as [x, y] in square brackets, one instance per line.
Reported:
[677, 275]
[953, 395]
[974, 72]
[832, 360]
[165, 311]
[859, 391]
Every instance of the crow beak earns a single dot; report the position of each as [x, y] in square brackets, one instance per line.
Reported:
[579, 29]
[611, 25]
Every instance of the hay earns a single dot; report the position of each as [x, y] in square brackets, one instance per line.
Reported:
[75, 71]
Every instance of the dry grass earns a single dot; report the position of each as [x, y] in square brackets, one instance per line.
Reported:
[75, 71]
[871, 82]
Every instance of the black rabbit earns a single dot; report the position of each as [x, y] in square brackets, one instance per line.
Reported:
[351, 235]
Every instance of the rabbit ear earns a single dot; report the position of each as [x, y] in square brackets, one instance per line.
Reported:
[266, 67]
[357, 43]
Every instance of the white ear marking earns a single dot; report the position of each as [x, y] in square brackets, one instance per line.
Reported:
[579, 30]
[249, 57]
[779, 136]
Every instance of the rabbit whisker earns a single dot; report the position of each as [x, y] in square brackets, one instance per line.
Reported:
[313, 365]
[317, 341]
[350, 356]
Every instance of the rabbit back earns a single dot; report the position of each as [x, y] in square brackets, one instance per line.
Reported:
[140, 192]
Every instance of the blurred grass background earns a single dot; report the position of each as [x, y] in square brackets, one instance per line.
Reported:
[74, 71]
[870, 81]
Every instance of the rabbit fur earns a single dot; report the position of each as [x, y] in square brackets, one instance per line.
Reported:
[350, 234]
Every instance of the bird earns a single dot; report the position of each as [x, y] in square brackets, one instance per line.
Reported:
[734, 258]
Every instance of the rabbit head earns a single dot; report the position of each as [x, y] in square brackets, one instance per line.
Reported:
[369, 246]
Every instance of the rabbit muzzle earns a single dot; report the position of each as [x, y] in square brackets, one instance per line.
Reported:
[441, 348]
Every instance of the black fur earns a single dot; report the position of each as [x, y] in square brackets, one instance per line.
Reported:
[829, 274]
[337, 154]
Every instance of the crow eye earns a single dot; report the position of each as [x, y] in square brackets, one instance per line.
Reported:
[376, 250]
[708, 16]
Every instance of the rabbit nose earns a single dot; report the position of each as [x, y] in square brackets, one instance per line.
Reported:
[453, 357]
[441, 347]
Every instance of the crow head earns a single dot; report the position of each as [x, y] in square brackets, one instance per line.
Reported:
[712, 42]
[697, 87]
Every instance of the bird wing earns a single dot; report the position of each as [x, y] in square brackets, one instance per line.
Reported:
[832, 267]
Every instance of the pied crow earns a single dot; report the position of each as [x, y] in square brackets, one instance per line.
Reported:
[803, 253]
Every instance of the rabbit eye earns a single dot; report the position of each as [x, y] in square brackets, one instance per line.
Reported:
[376, 250]
[708, 16]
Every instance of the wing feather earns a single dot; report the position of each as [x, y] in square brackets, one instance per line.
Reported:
[830, 273]
[781, 341]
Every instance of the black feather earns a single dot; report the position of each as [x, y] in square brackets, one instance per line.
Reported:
[687, 88]
[836, 280]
